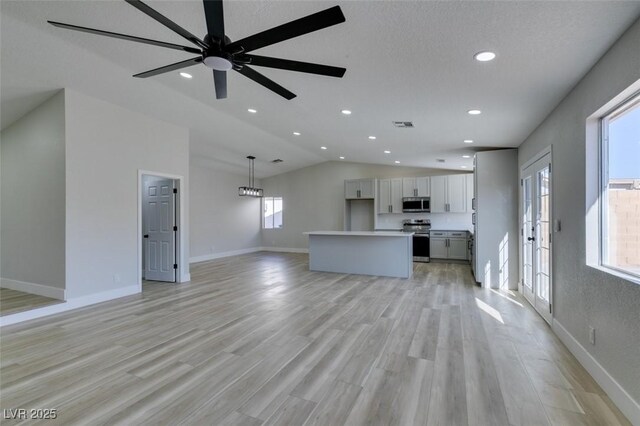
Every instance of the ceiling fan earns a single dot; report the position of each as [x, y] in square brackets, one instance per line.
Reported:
[218, 52]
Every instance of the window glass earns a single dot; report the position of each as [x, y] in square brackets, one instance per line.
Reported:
[620, 223]
[272, 212]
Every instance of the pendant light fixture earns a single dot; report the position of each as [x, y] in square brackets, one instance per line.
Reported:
[251, 190]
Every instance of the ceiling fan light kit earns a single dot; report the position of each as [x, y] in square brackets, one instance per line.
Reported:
[218, 52]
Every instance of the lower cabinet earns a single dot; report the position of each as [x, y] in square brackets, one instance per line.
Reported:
[438, 249]
[458, 248]
[448, 245]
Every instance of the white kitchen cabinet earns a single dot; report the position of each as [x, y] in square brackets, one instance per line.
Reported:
[456, 193]
[351, 188]
[367, 188]
[423, 186]
[384, 196]
[416, 187]
[409, 187]
[470, 193]
[438, 194]
[358, 188]
[396, 195]
[448, 194]
[390, 196]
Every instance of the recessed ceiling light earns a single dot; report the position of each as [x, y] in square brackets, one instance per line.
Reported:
[466, 156]
[397, 162]
[296, 133]
[186, 75]
[387, 152]
[342, 158]
[372, 138]
[463, 167]
[252, 111]
[346, 112]
[484, 56]
[474, 112]
[468, 141]
[323, 147]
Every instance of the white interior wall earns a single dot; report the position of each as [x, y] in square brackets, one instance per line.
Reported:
[584, 296]
[33, 201]
[107, 146]
[314, 199]
[222, 223]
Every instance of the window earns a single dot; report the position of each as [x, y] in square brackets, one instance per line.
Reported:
[272, 212]
[620, 188]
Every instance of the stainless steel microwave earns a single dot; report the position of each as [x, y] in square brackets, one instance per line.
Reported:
[416, 205]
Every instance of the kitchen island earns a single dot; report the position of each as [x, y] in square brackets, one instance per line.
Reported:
[378, 253]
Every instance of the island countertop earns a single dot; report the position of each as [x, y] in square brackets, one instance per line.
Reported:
[362, 233]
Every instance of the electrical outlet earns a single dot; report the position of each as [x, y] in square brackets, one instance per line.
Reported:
[592, 335]
[116, 278]
[213, 249]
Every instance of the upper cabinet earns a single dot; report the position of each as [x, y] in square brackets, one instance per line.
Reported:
[449, 194]
[416, 187]
[390, 193]
[359, 188]
[456, 193]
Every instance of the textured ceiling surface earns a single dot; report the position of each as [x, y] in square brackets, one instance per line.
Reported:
[405, 60]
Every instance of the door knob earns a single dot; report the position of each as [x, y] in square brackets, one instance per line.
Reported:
[531, 239]
[146, 235]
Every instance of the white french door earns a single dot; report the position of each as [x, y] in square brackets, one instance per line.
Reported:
[536, 235]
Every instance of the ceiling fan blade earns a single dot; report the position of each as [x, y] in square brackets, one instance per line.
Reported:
[125, 37]
[286, 64]
[215, 18]
[314, 22]
[220, 82]
[166, 22]
[266, 82]
[172, 67]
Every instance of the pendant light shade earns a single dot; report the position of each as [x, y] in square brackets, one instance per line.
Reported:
[251, 190]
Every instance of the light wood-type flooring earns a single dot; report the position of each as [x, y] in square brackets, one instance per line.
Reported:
[13, 301]
[258, 339]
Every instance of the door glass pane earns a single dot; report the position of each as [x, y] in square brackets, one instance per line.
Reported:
[527, 225]
[542, 237]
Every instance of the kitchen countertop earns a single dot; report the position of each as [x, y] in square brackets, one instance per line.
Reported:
[362, 233]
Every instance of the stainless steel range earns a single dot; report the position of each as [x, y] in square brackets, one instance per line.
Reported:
[422, 230]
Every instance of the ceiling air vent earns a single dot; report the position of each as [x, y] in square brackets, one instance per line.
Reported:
[440, 160]
[403, 123]
[277, 160]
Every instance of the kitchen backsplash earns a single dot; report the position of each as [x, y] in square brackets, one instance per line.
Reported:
[453, 221]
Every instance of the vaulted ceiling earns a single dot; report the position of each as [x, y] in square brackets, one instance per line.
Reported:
[405, 60]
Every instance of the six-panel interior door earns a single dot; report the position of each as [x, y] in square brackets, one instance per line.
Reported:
[160, 236]
[536, 235]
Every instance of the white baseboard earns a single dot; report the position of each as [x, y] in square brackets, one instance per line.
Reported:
[73, 303]
[220, 255]
[618, 395]
[33, 288]
[285, 249]
[185, 278]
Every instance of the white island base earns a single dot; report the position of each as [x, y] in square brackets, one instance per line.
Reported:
[388, 254]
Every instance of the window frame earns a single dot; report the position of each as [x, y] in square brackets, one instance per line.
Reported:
[262, 218]
[603, 190]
